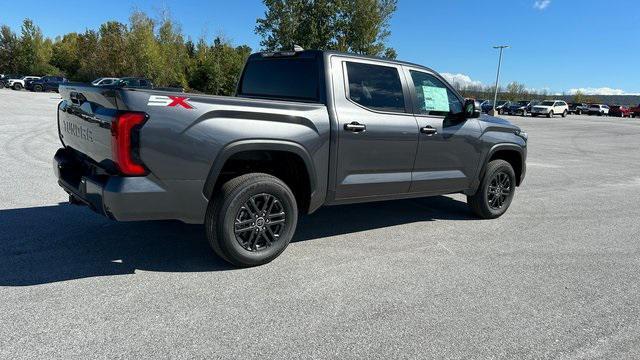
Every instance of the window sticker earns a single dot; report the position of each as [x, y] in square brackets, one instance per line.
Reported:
[435, 98]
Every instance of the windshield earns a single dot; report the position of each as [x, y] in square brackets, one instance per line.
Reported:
[523, 102]
[547, 103]
[501, 102]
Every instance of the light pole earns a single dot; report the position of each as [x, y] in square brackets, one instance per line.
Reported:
[495, 97]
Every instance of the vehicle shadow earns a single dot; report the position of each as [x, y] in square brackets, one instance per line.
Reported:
[64, 242]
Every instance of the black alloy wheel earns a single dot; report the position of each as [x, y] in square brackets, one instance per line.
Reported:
[499, 191]
[259, 222]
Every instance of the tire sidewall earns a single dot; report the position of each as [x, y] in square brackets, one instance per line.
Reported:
[229, 210]
[506, 168]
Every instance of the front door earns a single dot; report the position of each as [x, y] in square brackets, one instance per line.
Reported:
[448, 147]
[377, 133]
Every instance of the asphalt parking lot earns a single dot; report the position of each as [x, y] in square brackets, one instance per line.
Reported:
[556, 277]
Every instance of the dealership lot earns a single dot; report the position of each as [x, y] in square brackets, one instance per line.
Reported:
[557, 276]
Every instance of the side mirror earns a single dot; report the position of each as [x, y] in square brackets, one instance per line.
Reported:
[472, 109]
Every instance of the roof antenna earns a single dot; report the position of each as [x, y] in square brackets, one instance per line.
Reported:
[297, 48]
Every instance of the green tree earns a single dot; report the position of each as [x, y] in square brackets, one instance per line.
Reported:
[87, 50]
[515, 91]
[579, 97]
[217, 68]
[65, 55]
[173, 60]
[34, 51]
[359, 26]
[8, 50]
[141, 48]
[112, 44]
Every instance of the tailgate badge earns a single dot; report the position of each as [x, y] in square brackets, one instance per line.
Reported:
[173, 101]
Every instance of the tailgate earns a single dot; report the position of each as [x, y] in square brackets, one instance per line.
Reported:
[84, 120]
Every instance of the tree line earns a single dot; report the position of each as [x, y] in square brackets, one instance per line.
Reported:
[515, 91]
[158, 50]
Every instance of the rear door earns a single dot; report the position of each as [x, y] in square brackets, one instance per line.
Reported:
[448, 147]
[377, 134]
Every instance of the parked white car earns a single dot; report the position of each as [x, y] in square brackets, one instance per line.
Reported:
[18, 84]
[103, 81]
[549, 108]
[598, 109]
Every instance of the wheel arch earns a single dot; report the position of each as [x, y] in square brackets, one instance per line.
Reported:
[237, 148]
[514, 154]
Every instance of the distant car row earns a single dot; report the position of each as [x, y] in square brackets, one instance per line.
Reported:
[51, 83]
[550, 108]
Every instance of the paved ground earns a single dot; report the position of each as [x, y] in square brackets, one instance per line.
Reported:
[556, 277]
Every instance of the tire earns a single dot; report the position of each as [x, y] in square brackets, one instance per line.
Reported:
[37, 88]
[481, 204]
[550, 114]
[17, 87]
[238, 200]
[564, 113]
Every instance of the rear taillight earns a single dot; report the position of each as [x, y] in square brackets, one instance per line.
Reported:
[125, 143]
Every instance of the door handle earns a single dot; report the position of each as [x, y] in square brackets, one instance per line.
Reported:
[429, 130]
[355, 126]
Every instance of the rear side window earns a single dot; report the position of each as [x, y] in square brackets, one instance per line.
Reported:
[375, 87]
[281, 78]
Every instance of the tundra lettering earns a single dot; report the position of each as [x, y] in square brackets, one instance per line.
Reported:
[305, 129]
[78, 130]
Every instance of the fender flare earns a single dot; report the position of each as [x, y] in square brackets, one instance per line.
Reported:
[259, 144]
[495, 148]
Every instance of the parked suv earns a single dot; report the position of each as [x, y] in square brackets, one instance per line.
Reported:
[135, 82]
[306, 129]
[18, 84]
[578, 108]
[549, 108]
[4, 79]
[46, 83]
[488, 105]
[598, 109]
[517, 108]
[619, 111]
[103, 81]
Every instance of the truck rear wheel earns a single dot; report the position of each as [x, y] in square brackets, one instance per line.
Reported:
[251, 219]
[494, 195]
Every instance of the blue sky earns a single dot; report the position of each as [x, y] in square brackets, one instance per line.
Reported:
[556, 45]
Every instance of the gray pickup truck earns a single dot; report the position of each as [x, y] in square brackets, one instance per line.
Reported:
[305, 129]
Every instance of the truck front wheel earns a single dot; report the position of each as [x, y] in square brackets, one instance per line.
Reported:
[251, 219]
[494, 195]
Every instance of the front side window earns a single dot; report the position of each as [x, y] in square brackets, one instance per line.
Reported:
[375, 87]
[434, 97]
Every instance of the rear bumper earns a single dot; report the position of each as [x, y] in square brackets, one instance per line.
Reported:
[128, 198]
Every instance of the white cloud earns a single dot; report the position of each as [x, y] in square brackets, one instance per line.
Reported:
[460, 80]
[541, 4]
[600, 91]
